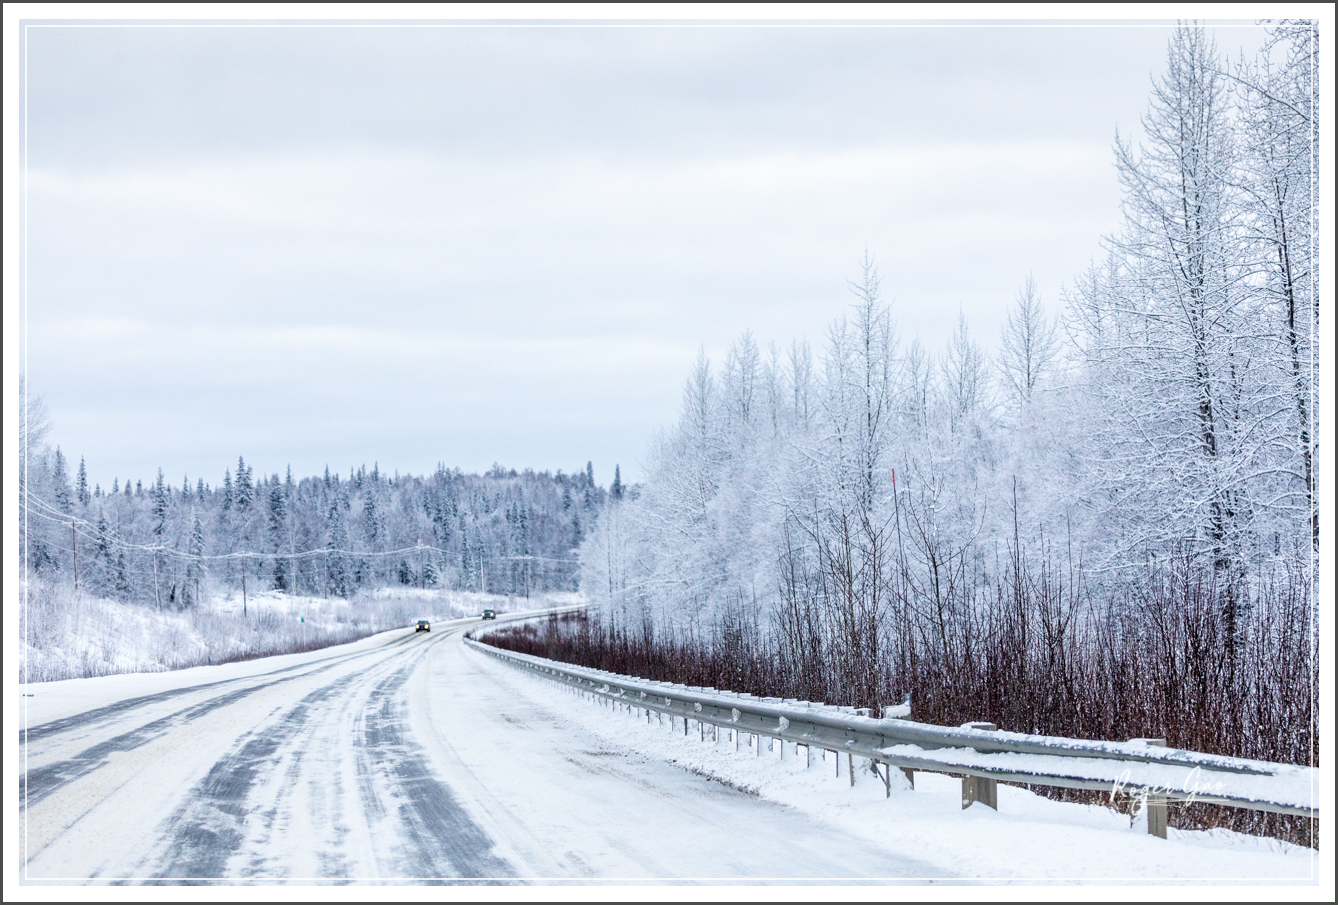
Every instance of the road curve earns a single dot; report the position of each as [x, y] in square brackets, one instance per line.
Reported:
[405, 758]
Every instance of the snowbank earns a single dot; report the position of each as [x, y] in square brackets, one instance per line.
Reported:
[69, 634]
[1029, 838]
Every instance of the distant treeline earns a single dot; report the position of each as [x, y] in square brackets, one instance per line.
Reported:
[172, 545]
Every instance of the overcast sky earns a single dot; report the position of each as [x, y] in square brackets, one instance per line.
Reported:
[411, 245]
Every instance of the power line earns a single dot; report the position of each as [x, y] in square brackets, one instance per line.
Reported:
[99, 537]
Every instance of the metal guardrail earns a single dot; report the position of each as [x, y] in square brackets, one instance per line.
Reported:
[978, 753]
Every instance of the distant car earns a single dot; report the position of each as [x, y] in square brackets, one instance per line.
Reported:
[489, 614]
[423, 626]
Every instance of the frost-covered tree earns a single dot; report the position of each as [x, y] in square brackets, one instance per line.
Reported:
[81, 485]
[195, 567]
[60, 483]
[1028, 346]
[1169, 329]
[1279, 178]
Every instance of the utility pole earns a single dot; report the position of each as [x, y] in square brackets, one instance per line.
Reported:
[74, 549]
[243, 589]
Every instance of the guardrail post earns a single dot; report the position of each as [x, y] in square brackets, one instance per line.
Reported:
[980, 788]
[910, 775]
[1155, 804]
[850, 766]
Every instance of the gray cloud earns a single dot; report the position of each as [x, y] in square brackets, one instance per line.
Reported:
[340, 245]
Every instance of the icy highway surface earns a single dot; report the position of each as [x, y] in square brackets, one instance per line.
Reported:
[404, 756]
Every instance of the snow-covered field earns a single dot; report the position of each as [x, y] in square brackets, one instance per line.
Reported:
[1028, 838]
[68, 634]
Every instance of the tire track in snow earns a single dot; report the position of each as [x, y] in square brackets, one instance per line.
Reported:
[445, 842]
[39, 783]
[90, 718]
[414, 822]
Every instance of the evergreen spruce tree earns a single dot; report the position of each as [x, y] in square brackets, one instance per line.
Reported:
[277, 525]
[242, 488]
[371, 521]
[60, 484]
[160, 507]
[121, 579]
[81, 485]
[339, 580]
[102, 573]
[195, 568]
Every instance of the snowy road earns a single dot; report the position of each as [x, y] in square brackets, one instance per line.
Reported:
[401, 757]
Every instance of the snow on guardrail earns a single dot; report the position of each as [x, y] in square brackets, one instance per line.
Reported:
[981, 756]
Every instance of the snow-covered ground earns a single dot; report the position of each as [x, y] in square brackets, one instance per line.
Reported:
[68, 634]
[408, 757]
[1028, 838]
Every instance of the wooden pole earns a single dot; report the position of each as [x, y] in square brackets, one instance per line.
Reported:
[74, 549]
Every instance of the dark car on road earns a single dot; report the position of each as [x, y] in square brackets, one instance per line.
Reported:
[423, 626]
[489, 614]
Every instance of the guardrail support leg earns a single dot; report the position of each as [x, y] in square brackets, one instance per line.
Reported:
[981, 789]
[850, 767]
[1156, 805]
[887, 779]
[910, 775]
